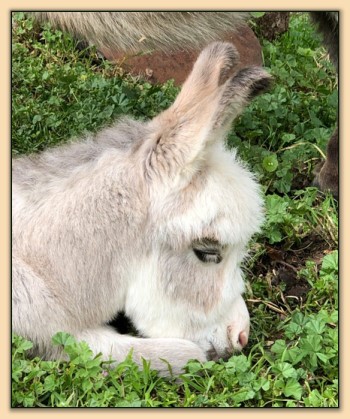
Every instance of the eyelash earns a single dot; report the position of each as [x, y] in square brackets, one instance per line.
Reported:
[208, 256]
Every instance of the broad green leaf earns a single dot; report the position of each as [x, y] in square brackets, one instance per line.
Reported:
[279, 346]
[330, 262]
[293, 389]
[63, 338]
[285, 369]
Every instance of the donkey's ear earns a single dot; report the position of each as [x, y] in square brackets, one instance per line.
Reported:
[211, 97]
[239, 90]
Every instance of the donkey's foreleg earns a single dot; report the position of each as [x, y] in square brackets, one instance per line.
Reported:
[159, 351]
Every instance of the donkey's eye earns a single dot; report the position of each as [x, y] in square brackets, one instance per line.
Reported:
[208, 255]
[208, 250]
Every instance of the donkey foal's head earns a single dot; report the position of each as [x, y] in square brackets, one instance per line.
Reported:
[203, 207]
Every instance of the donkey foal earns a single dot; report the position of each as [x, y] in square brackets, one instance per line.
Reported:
[151, 218]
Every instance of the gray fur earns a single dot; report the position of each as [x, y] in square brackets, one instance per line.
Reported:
[111, 223]
[134, 32]
[142, 31]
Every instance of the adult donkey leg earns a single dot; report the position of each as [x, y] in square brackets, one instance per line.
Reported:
[327, 173]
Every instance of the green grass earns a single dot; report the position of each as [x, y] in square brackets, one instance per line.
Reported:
[292, 270]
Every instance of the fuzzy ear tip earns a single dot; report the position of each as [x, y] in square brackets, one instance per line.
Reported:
[261, 85]
[222, 50]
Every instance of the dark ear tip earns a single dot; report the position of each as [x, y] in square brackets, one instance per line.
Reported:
[260, 86]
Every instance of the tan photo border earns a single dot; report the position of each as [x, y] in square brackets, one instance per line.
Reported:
[6, 6]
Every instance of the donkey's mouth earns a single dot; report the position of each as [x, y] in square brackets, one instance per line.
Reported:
[214, 355]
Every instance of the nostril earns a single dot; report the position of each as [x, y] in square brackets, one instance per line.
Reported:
[243, 339]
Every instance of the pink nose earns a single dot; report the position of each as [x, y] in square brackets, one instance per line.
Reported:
[243, 339]
[237, 342]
